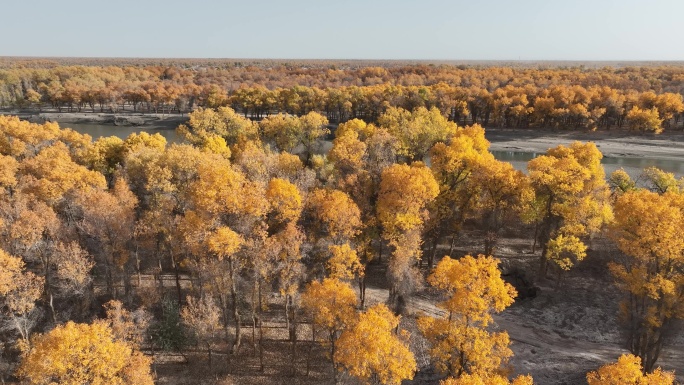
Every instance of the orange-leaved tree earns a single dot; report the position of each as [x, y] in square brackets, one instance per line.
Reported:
[648, 229]
[453, 164]
[494, 379]
[372, 352]
[404, 194]
[571, 202]
[628, 371]
[332, 305]
[75, 354]
[461, 343]
[19, 290]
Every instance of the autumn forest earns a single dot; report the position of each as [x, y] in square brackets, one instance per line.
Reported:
[328, 222]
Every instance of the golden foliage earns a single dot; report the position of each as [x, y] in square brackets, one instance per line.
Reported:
[661, 181]
[223, 122]
[335, 213]
[284, 248]
[474, 286]
[224, 242]
[495, 379]
[19, 289]
[344, 262]
[8, 170]
[417, 130]
[347, 151]
[645, 119]
[628, 371]
[571, 200]
[648, 229]
[565, 249]
[404, 192]
[284, 199]
[461, 343]
[620, 181]
[369, 349]
[357, 128]
[56, 174]
[76, 354]
[282, 129]
[332, 305]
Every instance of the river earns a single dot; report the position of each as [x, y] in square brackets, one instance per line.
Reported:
[100, 130]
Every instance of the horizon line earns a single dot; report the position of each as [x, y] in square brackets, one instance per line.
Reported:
[343, 59]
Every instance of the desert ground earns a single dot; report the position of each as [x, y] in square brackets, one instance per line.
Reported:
[567, 330]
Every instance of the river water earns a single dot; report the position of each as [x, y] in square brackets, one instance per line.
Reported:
[632, 165]
[100, 130]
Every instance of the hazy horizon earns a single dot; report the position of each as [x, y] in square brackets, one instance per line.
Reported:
[498, 30]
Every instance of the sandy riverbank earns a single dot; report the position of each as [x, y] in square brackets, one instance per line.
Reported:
[118, 119]
[668, 145]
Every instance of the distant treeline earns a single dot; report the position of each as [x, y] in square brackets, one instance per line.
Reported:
[645, 97]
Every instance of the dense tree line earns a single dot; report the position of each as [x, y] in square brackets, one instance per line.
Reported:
[643, 98]
[247, 216]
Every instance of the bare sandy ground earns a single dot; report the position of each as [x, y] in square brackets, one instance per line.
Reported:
[558, 336]
[615, 143]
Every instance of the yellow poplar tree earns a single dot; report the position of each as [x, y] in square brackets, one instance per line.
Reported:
[460, 343]
[334, 214]
[19, 290]
[284, 199]
[501, 192]
[76, 354]
[571, 202]
[344, 262]
[332, 305]
[404, 194]
[648, 229]
[224, 244]
[628, 371]
[417, 130]
[453, 164]
[645, 119]
[476, 379]
[372, 352]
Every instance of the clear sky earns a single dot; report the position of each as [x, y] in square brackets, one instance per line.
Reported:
[346, 29]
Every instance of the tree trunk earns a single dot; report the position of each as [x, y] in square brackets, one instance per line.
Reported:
[261, 345]
[433, 252]
[543, 263]
[292, 323]
[52, 310]
[254, 315]
[236, 308]
[176, 272]
[362, 291]
[451, 247]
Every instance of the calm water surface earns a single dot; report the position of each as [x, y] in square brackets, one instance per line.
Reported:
[100, 130]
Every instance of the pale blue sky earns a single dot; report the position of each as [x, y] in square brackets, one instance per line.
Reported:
[347, 29]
